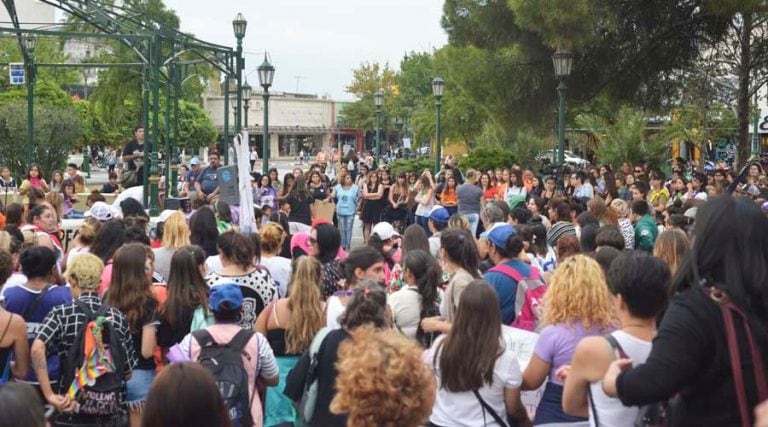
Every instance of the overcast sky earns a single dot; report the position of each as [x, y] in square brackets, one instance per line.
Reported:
[320, 41]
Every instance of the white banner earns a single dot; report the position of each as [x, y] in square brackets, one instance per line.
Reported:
[240, 142]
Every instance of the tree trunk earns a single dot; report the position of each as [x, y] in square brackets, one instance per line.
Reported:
[742, 110]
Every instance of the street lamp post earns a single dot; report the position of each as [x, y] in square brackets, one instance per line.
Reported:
[266, 75]
[562, 60]
[438, 87]
[239, 24]
[378, 101]
[247, 102]
[31, 43]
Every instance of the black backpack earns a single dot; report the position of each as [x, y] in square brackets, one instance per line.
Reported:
[103, 398]
[225, 362]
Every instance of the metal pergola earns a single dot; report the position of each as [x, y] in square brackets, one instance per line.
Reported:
[162, 53]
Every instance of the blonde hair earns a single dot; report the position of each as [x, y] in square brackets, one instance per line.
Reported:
[86, 269]
[671, 247]
[382, 380]
[578, 292]
[305, 305]
[272, 236]
[175, 231]
[88, 230]
[458, 221]
[5, 241]
[621, 207]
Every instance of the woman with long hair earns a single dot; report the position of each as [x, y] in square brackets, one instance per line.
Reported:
[175, 237]
[447, 196]
[605, 214]
[224, 219]
[413, 238]
[425, 199]
[461, 261]
[724, 276]
[346, 204]
[317, 187]
[515, 191]
[577, 305]
[187, 294]
[272, 237]
[34, 179]
[69, 198]
[478, 374]
[301, 201]
[489, 190]
[325, 242]
[185, 394]
[373, 191]
[237, 254]
[289, 325]
[57, 178]
[397, 212]
[361, 263]
[203, 231]
[420, 299]
[130, 292]
[288, 180]
[672, 247]
[366, 309]
[265, 194]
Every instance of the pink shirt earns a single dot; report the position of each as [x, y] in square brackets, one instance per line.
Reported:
[106, 277]
[259, 359]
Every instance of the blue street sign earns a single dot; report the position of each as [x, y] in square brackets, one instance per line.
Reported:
[17, 73]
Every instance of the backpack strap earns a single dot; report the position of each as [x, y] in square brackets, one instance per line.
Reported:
[240, 340]
[491, 411]
[615, 346]
[728, 308]
[203, 338]
[36, 302]
[86, 310]
[507, 271]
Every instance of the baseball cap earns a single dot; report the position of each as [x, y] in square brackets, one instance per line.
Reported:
[499, 235]
[101, 211]
[384, 230]
[225, 297]
[194, 161]
[440, 215]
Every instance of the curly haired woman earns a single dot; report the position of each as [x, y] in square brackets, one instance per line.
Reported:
[577, 305]
[382, 381]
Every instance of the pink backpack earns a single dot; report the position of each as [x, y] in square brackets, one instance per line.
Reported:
[529, 299]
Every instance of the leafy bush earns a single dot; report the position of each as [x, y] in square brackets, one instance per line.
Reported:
[57, 129]
[488, 157]
[416, 165]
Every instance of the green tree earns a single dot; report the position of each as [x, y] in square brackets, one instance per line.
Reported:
[624, 137]
[366, 80]
[57, 129]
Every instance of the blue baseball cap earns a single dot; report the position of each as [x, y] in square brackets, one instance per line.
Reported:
[440, 215]
[499, 235]
[225, 297]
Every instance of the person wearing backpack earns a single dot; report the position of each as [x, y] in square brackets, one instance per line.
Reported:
[64, 328]
[236, 357]
[35, 299]
[638, 284]
[14, 346]
[504, 249]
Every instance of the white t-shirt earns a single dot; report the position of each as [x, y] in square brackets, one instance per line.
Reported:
[463, 409]
[610, 411]
[136, 193]
[280, 268]
[333, 310]
[406, 309]
[213, 264]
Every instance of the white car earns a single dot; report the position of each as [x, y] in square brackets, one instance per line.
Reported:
[570, 158]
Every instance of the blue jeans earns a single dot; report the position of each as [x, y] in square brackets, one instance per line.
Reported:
[423, 221]
[345, 229]
[138, 386]
[474, 220]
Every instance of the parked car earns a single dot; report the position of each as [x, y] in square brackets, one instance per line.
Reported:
[570, 158]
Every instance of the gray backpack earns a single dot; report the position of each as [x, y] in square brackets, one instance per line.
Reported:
[306, 408]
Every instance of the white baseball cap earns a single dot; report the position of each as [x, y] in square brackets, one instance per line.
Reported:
[102, 211]
[384, 230]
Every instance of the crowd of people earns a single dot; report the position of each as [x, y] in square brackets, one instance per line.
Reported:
[645, 300]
